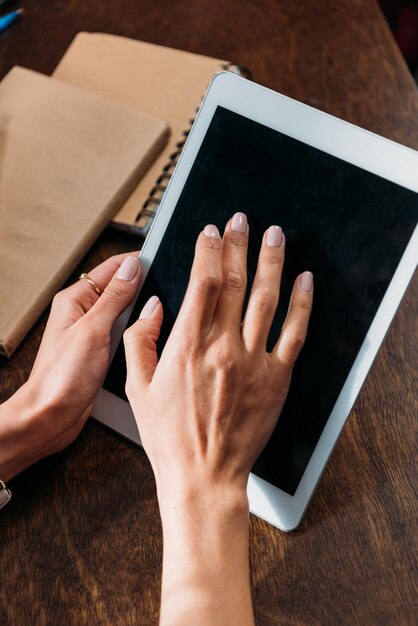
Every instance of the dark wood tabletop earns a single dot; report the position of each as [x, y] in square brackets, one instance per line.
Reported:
[80, 542]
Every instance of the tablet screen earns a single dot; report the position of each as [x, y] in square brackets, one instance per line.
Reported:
[346, 225]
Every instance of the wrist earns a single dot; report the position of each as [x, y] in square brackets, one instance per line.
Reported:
[19, 440]
[199, 496]
[202, 513]
[205, 529]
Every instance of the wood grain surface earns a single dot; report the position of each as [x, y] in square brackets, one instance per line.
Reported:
[80, 543]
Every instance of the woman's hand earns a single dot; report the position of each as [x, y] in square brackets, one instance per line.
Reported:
[47, 413]
[206, 410]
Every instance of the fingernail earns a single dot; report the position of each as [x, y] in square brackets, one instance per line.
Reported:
[211, 231]
[274, 236]
[149, 307]
[306, 281]
[129, 269]
[239, 223]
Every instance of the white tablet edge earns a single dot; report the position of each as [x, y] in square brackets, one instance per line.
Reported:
[341, 139]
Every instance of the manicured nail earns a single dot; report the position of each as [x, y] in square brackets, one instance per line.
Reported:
[211, 231]
[149, 307]
[129, 269]
[306, 281]
[274, 236]
[239, 223]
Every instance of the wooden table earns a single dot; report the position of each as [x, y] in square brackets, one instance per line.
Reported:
[80, 543]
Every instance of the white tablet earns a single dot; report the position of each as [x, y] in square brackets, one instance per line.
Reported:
[348, 203]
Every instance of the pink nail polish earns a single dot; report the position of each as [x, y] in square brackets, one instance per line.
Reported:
[129, 269]
[211, 231]
[149, 307]
[274, 237]
[306, 281]
[239, 223]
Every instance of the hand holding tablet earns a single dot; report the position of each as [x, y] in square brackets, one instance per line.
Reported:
[207, 407]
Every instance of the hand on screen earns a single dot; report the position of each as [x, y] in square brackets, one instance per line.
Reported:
[207, 408]
[49, 410]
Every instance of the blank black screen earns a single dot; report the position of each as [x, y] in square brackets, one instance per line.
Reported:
[346, 225]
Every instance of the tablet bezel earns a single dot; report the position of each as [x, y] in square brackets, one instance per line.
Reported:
[371, 152]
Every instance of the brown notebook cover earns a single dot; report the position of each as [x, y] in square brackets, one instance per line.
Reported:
[68, 161]
[154, 79]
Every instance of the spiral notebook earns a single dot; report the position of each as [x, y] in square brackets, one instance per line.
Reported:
[69, 159]
[155, 80]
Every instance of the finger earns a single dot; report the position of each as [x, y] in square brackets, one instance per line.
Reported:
[234, 267]
[74, 301]
[141, 346]
[265, 291]
[117, 295]
[295, 327]
[101, 275]
[205, 282]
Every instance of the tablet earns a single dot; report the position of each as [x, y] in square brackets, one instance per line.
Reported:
[347, 201]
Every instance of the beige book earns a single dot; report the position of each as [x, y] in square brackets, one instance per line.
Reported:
[68, 160]
[160, 81]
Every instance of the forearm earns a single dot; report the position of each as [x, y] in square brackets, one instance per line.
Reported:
[205, 563]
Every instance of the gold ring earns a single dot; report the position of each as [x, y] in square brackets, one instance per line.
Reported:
[91, 282]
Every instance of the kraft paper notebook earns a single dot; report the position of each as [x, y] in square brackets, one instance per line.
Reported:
[68, 160]
[154, 79]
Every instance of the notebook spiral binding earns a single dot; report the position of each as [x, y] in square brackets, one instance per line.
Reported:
[156, 194]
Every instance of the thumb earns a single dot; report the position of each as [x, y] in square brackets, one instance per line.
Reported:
[140, 341]
[118, 293]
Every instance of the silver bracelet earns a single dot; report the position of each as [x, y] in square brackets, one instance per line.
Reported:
[5, 494]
